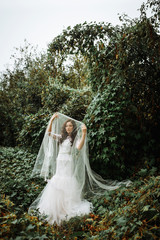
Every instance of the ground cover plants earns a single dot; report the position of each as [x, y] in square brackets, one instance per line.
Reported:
[126, 213]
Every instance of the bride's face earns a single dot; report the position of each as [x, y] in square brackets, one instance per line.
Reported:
[69, 127]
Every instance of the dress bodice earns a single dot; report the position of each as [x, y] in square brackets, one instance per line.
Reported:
[64, 159]
[65, 147]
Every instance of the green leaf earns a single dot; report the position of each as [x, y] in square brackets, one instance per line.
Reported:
[30, 227]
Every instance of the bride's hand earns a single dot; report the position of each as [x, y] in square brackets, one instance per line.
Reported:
[55, 115]
[84, 129]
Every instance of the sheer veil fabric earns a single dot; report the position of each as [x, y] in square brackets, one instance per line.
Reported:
[70, 178]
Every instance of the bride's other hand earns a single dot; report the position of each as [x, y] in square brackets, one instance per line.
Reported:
[84, 129]
[55, 115]
[81, 143]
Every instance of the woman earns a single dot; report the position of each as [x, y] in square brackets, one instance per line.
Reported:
[61, 198]
[63, 157]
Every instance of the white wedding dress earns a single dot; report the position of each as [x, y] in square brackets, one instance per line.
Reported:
[61, 198]
[71, 175]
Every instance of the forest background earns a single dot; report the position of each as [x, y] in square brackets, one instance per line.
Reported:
[109, 78]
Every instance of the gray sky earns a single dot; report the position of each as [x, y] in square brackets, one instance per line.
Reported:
[39, 21]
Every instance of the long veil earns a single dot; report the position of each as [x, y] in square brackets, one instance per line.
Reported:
[89, 182]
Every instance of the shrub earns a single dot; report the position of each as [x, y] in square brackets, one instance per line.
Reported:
[33, 129]
[16, 168]
[118, 143]
[69, 101]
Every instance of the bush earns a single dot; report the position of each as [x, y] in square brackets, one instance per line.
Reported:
[33, 129]
[69, 101]
[123, 118]
[16, 168]
[118, 143]
[77, 104]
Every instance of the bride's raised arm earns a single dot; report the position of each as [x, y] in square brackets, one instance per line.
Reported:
[81, 143]
[55, 115]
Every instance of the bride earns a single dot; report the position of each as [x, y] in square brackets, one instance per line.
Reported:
[63, 158]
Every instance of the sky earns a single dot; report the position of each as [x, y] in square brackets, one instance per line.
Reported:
[39, 21]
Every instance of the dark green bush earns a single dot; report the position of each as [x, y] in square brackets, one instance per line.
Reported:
[69, 101]
[123, 118]
[77, 104]
[16, 168]
[33, 129]
[118, 143]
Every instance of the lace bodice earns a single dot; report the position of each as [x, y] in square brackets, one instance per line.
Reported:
[65, 147]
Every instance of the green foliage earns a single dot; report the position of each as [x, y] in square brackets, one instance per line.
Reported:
[16, 169]
[71, 101]
[77, 103]
[108, 132]
[33, 129]
[16, 225]
[118, 142]
[76, 41]
[20, 92]
[73, 70]
[123, 118]
[114, 68]
[126, 213]
[36, 87]
[129, 214]
[67, 100]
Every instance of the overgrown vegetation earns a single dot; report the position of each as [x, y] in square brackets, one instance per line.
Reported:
[132, 213]
[111, 81]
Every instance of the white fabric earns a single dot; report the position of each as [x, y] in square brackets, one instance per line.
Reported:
[61, 198]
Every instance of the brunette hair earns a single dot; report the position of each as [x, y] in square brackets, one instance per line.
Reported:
[64, 133]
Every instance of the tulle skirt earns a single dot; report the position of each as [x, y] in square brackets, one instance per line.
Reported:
[61, 200]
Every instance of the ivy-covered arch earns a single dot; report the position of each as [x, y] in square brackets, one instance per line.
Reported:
[123, 117]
